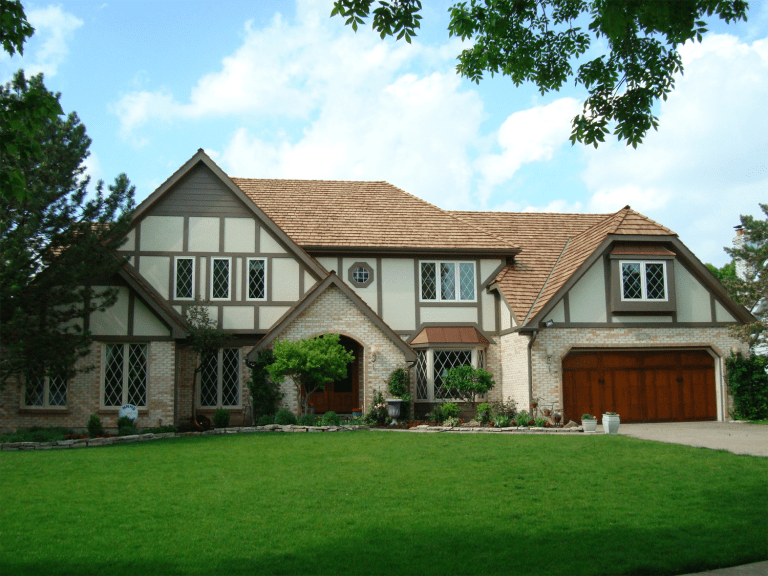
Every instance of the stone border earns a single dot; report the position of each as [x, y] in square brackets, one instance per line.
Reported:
[93, 442]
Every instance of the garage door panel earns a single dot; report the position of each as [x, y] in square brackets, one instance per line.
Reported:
[642, 386]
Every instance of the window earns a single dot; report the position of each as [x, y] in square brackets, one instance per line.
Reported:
[257, 279]
[45, 391]
[642, 281]
[184, 279]
[360, 274]
[432, 367]
[125, 375]
[220, 379]
[448, 281]
[220, 278]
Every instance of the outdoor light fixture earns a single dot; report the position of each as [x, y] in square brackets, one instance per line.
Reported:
[374, 351]
[550, 352]
[549, 323]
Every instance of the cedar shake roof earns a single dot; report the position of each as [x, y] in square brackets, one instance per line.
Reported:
[449, 335]
[553, 246]
[323, 213]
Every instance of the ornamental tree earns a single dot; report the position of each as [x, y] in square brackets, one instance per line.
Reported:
[204, 341]
[56, 239]
[469, 382]
[311, 364]
[539, 41]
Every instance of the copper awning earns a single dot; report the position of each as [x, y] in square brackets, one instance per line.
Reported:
[450, 335]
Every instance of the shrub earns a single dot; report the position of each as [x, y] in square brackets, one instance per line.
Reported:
[503, 421]
[307, 420]
[265, 393]
[522, 418]
[36, 434]
[377, 411]
[469, 382]
[160, 429]
[588, 417]
[540, 422]
[484, 412]
[398, 383]
[285, 417]
[94, 426]
[451, 422]
[265, 420]
[126, 426]
[504, 408]
[450, 410]
[221, 418]
[748, 384]
[331, 419]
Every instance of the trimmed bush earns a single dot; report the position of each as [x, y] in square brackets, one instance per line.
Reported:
[285, 417]
[94, 426]
[484, 412]
[265, 420]
[331, 419]
[450, 410]
[308, 420]
[126, 426]
[221, 418]
[748, 384]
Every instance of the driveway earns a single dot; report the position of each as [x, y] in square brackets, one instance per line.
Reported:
[749, 439]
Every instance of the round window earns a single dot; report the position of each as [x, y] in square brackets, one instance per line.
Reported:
[360, 275]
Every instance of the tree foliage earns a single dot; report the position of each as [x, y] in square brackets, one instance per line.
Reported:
[748, 384]
[725, 273]
[55, 240]
[539, 41]
[311, 364]
[469, 382]
[265, 392]
[752, 290]
[204, 340]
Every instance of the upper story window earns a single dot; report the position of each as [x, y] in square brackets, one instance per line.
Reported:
[448, 281]
[125, 375]
[45, 391]
[221, 278]
[184, 279]
[360, 274]
[642, 281]
[257, 279]
[220, 379]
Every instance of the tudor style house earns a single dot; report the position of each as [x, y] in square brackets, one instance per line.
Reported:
[589, 312]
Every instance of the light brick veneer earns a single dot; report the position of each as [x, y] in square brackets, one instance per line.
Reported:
[547, 378]
[514, 366]
[83, 395]
[332, 312]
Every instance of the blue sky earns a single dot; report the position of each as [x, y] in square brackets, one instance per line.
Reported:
[279, 90]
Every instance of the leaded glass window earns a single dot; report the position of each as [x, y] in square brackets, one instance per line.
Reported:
[35, 391]
[45, 391]
[257, 285]
[448, 281]
[444, 361]
[125, 374]
[421, 376]
[220, 279]
[643, 281]
[220, 379]
[184, 277]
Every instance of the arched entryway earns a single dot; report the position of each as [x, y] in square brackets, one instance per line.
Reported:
[342, 396]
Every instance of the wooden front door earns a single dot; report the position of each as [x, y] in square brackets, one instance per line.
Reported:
[647, 386]
[342, 396]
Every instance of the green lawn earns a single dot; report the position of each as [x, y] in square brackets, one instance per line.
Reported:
[381, 503]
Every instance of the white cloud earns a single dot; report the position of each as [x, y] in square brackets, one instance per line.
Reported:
[54, 29]
[702, 169]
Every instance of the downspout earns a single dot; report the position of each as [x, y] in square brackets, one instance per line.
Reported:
[530, 364]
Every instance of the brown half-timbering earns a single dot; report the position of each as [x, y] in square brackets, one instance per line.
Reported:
[641, 386]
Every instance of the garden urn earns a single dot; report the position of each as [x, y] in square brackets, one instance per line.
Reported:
[393, 407]
[589, 424]
[611, 423]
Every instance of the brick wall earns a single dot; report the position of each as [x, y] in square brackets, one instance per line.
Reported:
[514, 366]
[547, 378]
[84, 391]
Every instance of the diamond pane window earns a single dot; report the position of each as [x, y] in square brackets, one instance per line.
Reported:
[428, 281]
[631, 281]
[113, 375]
[444, 361]
[220, 278]
[447, 281]
[421, 376]
[35, 391]
[184, 275]
[654, 281]
[467, 280]
[137, 374]
[209, 381]
[57, 391]
[230, 377]
[257, 279]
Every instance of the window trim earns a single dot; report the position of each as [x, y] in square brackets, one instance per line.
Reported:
[219, 383]
[229, 283]
[176, 279]
[643, 281]
[46, 405]
[351, 275]
[248, 279]
[126, 358]
[457, 280]
[618, 305]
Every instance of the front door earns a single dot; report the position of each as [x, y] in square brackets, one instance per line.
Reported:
[342, 396]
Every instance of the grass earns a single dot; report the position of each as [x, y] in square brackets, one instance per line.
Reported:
[381, 503]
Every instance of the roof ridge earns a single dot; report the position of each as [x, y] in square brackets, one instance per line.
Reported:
[310, 180]
[531, 213]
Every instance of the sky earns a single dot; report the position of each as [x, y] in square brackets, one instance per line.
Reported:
[278, 89]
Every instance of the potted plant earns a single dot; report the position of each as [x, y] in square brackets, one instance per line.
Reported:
[588, 422]
[611, 423]
[398, 388]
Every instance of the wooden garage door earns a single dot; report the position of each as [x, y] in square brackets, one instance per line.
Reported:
[663, 386]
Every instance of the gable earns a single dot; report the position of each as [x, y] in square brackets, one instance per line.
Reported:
[130, 316]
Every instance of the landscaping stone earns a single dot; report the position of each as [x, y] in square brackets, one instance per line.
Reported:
[571, 424]
[145, 437]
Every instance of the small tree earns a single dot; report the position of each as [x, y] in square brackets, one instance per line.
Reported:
[204, 340]
[311, 364]
[748, 384]
[265, 392]
[398, 387]
[469, 381]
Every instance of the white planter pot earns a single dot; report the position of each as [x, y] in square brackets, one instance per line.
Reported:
[393, 407]
[589, 425]
[611, 423]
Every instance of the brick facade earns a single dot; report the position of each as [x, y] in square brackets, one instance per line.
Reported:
[514, 368]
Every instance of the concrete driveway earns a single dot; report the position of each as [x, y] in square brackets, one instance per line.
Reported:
[749, 439]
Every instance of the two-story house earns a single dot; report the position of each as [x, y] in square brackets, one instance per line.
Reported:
[590, 312]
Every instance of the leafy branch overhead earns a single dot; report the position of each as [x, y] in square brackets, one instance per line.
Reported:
[540, 41]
